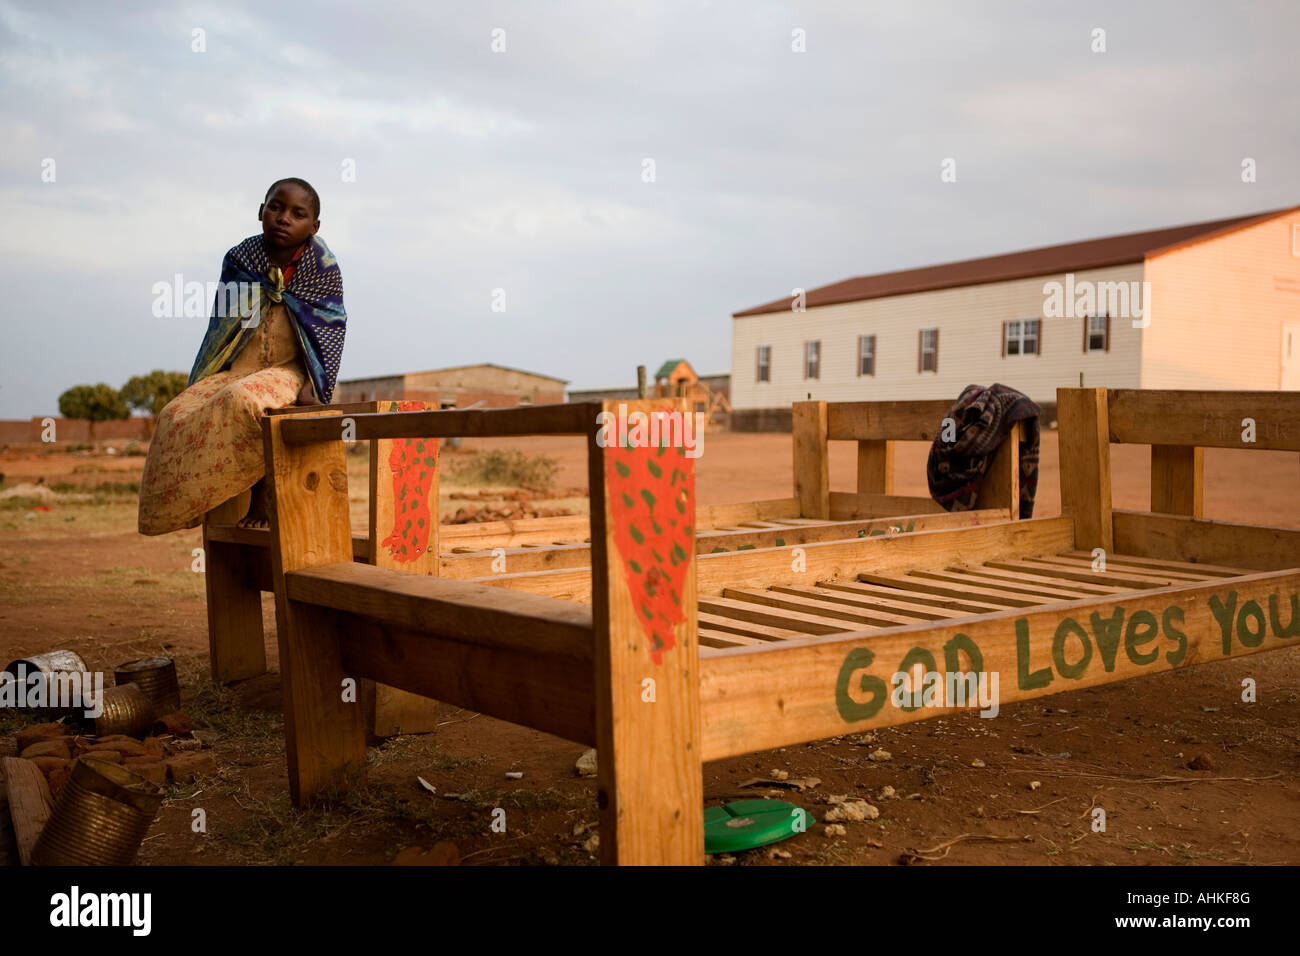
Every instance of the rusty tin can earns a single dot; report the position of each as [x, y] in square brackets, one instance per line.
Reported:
[49, 670]
[100, 817]
[156, 676]
[126, 710]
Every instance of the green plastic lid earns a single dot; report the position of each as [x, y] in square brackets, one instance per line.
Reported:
[746, 824]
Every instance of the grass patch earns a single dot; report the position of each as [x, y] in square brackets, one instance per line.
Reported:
[548, 799]
[216, 707]
[103, 489]
[136, 586]
[277, 834]
[834, 854]
[19, 504]
[505, 468]
[274, 833]
[78, 515]
[419, 747]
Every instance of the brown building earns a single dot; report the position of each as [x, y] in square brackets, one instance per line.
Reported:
[490, 386]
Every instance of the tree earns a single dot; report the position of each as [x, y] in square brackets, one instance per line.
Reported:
[95, 403]
[151, 393]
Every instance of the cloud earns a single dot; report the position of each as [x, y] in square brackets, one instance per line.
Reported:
[521, 170]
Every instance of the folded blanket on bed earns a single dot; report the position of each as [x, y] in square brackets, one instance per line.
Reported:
[983, 417]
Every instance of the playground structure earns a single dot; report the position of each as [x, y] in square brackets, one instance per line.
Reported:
[1048, 604]
[676, 379]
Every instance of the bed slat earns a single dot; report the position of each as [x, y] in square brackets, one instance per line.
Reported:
[903, 609]
[987, 595]
[758, 614]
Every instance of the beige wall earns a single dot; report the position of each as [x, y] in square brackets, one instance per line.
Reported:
[368, 390]
[483, 378]
[454, 385]
[1218, 309]
[970, 346]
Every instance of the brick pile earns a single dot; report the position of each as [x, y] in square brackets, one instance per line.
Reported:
[169, 755]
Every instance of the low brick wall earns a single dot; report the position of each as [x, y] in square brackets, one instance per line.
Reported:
[19, 431]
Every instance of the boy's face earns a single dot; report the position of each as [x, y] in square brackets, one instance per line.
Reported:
[288, 219]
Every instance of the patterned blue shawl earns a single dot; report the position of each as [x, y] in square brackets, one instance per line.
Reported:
[313, 299]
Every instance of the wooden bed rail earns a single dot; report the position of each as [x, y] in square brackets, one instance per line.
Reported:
[569, 418]
[528, 659]
[519, 657]
[764, 567]
[759, 698]
[1203, 419]
[876, 426]
[454, 610]
[1183, 538]
[1178, 425]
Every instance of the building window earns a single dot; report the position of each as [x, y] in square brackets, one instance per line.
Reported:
[927, 354]
[812, 359]
[1096, 333]
[763, 373]
[866, 355]
[1021, 337]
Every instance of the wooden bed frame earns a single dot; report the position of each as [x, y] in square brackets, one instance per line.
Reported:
[1023, 600]
[238, 559]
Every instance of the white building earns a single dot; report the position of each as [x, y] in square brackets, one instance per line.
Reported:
[1214, 305]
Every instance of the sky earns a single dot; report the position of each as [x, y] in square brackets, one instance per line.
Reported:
[793, 145]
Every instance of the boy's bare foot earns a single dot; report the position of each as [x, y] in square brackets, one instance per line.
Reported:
[258, 516]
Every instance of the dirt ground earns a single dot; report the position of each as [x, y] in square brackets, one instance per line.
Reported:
[1016, 790]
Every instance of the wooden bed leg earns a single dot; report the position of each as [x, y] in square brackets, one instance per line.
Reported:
[396, 711]
[648, 730]
[324, 733]
[1178, 480]
[236, 644]
[811, 469]
[1084, 419]
[875, 467]
[1001, 485]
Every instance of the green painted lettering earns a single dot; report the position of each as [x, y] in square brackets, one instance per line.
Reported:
[1171, 615]
[1244, 634]
[1223, 613]
[1064, 630]
[1026, 679]
[917, 655]
[852, 710]
[1142, 629]
[1292, 629]
[962, 643]
[1107, 634]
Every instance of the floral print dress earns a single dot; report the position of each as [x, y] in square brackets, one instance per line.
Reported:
[207, 447]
